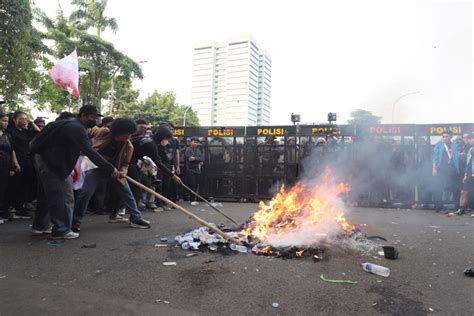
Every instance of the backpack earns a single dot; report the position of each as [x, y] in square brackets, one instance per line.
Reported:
[43, 138]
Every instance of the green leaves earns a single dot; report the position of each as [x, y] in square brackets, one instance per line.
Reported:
[157, 108]
[363, 117]
[17, 49]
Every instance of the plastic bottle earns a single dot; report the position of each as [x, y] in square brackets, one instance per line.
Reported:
[238, 248]
[375, 269]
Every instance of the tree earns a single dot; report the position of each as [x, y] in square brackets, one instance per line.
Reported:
[90, 13]
[99, 61]
[363, 117]
[19, 42]
[157, 108]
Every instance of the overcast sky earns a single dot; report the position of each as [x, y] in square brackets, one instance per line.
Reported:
[328, 56]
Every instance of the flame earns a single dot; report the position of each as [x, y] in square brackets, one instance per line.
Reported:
[299, 253]
[302, 215]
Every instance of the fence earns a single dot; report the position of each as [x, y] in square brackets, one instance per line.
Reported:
[251, 162]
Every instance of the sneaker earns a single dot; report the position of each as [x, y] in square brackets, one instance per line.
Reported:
[140, 223]
[158, 209]
[460, 212]
[76, 228]
[70, 235]
[122, 212]
[151, 206]
[36, 232]
[21, 215]
[118, 219]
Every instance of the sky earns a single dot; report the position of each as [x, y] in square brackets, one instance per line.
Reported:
[328, 56]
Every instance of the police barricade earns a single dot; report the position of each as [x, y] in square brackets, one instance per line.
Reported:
[388, 180]
[266, 158]
[253, 162]
[221, 170]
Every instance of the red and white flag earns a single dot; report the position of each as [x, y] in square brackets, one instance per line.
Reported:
[66, 74]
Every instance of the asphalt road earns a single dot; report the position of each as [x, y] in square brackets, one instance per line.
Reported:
[124, 274]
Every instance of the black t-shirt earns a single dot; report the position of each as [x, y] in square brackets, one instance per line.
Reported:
[6, 150]
[21, 139]
[111, 151]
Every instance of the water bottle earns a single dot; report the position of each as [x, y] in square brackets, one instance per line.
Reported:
[238, 248]
[375, 269]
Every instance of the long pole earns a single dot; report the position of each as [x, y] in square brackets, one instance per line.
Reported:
[188, 213]
[209, 203]
[184, 116]
[399, 98]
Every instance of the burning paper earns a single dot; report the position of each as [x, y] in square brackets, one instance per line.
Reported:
[301, 216]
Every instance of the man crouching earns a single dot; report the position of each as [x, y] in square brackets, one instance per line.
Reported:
[115, 146]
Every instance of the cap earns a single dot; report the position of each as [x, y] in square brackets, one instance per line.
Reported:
[89, 109]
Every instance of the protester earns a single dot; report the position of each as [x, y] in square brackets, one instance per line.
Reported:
[171, 158]
[56, 150]
[40, 123]
[146, 146]
[107, 121]
[446, 170]
[194, 161]
[115, 146]
[65, 116]
[468, 178]
[22, 186]
[8, 166]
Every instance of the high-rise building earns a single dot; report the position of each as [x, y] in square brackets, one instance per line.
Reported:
[231, 83]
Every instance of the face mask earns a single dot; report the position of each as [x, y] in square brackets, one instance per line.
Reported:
[91, 123]
[164, 142]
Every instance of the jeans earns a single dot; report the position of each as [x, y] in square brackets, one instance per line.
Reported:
[55, 200]
[95, 178]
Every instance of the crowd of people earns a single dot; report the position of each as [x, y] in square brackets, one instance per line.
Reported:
[54, 173]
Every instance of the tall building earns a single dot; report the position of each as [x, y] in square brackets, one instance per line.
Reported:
[231, 83]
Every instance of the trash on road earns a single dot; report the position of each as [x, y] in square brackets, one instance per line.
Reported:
[275, 305]
[54, 244]
[338, 281]
[161, 245]
[390, 252]
[169, 263]
[375, 269]
[238, 248]
[469, 272]
[376, 237]
[89, 246]
[194, 203]
[164, 239]
[191, 254]
[3, 276]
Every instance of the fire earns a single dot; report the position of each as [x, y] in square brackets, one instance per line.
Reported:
[299, 253]
[302, 215]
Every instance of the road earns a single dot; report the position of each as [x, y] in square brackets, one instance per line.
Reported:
[124, 274]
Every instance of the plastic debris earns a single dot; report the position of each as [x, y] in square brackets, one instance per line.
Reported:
[469, 272]
[338, 281]
[89, 246]
[161, 245]
[381, 253]
[166, 302]
[3, 276]
[164, 239]
[54, 244]
[194, 245]
[431, 309]
[374, 304]
[216, 204]
[194, 203]
[238, 248]
[275, 305]
[191, 254]
[375, 269]
[390, 252]
[169, 263]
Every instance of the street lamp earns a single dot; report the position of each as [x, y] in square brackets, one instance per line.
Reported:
[399, 98]
[184, 116]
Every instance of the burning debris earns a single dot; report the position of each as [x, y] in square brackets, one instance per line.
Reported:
[299, 222]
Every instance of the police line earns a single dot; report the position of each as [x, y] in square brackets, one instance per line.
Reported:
[326, 130]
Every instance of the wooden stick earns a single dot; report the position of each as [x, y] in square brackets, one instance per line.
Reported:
[209, 203]
[188, 213]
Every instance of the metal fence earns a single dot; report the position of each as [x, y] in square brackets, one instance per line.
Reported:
[253, 162]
